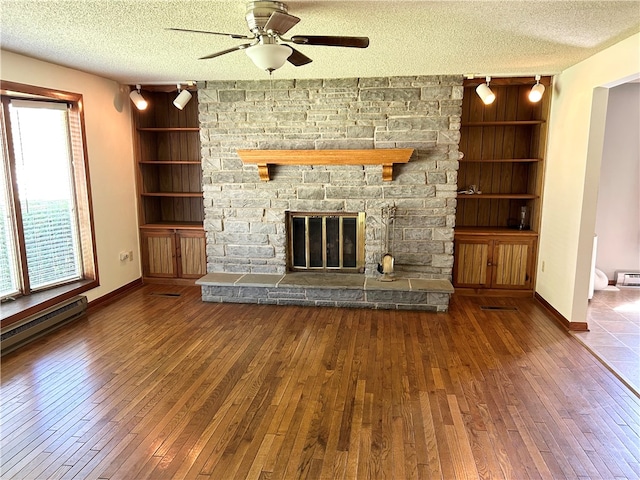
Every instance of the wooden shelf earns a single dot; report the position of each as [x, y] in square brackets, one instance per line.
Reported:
[180, 225]
[502, 123]
[494, 231]
[168, 129]
[501, 160]
[170, 162]
[500, 196]
[526, 82]
[386, 157]
[172, 194]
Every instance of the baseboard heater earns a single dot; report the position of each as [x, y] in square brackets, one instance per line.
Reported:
[627, 279]
[36, 325]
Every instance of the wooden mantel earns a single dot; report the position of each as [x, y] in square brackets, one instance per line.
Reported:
[381, 156]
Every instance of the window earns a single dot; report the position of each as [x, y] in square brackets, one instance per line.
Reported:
[46, 232]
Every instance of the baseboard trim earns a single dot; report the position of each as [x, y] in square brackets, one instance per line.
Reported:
[112, 296]
[556, 315]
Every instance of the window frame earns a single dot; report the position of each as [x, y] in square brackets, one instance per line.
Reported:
[30, 302]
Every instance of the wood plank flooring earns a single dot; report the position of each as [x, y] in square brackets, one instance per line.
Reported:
[160, 386]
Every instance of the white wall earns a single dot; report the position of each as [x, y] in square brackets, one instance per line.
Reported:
[618, 208]
[111, 164]
[574, 152]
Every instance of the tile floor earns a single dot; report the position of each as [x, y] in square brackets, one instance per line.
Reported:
[614, 331]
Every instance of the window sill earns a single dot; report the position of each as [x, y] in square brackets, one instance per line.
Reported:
[22, 307]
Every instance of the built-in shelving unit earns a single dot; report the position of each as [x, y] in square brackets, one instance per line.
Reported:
[169, 168]
[503, 146]
[169, 178]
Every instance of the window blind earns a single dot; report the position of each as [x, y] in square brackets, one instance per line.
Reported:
[43, 166]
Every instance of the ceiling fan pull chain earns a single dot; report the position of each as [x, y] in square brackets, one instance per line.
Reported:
[273, 97]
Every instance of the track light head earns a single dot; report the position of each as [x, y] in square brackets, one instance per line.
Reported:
[182, 99]
[485, 93]
[535, 95]
[137, 99]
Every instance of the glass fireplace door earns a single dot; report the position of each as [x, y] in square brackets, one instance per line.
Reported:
[326, 241]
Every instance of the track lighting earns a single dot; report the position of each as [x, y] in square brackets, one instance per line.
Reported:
[535, 95]
[485, 93]
[182, 99]
[137, 98]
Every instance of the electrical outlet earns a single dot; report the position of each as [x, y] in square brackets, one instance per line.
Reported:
[124, 256]
[131, 255]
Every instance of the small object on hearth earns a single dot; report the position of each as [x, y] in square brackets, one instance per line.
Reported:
[387, 268]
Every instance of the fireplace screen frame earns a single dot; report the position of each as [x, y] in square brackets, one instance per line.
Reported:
[294, 261]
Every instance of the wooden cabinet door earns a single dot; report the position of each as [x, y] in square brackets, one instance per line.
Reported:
[472, 258]
[191, 253]
[512, 263]
[503, 263]
[159, 253]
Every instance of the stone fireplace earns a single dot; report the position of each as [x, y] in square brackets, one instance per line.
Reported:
[247, 212]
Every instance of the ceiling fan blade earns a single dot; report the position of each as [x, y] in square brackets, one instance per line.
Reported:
[298, 58]
[280, 22]
[329, 41]
[232, 35]
[228, 50]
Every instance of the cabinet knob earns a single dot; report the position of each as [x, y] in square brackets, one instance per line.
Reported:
[488, 264]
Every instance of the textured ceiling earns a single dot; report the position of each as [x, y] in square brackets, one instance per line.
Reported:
[127, 40]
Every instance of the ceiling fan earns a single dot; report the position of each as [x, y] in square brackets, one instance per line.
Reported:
[268, 21]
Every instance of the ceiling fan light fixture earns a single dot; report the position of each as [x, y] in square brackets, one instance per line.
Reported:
[535, 95]
[137, 99]
[485, 93]
[182, 99]
[268, 21]
[269, 56]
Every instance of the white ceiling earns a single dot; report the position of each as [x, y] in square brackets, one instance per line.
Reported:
[127, 40]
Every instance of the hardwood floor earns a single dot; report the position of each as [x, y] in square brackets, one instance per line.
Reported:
[163, 386]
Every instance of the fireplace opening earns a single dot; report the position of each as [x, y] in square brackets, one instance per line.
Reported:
[326, 242]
